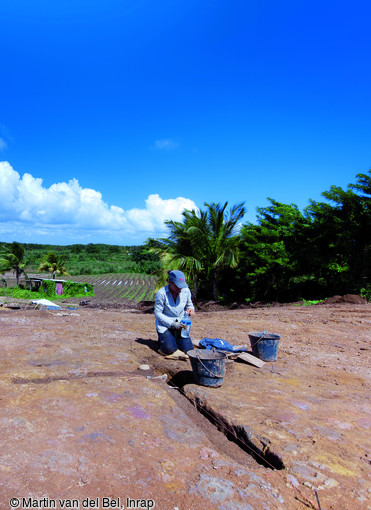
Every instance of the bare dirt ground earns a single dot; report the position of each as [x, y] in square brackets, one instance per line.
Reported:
[75, 409]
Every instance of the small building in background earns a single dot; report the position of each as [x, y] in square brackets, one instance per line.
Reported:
[56, 287]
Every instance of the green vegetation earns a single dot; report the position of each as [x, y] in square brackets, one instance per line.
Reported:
[121, 288]
[202, 245]
[48, 290]
[79, 259]
[305, 302]
[287, 256]
[366, 292]
[11, 259]
[17, 293]
[322, 251]
[54, 264]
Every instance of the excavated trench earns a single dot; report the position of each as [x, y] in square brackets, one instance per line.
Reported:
[227, 434]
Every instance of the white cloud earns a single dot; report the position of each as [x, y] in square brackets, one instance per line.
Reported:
[157, 211]
[165, 144]
[68, 210]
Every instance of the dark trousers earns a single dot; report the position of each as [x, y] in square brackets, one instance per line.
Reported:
[171, 340]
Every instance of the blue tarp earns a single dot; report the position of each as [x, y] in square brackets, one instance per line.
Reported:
[222, 345]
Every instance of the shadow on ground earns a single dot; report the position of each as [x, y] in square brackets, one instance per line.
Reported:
[152, 344]
[181, 378]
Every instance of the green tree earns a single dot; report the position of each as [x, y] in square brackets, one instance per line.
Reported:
[272, 251]
[177, 251]
[11, 259]
[323, 251]
[77, 248]
[341, 235]
[54, 264]
[145, 259]
[202, 244]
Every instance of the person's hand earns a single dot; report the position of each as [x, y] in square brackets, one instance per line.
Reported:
[190, 311]
[178, 325]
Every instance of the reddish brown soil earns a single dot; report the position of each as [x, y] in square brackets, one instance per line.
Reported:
[317, 418]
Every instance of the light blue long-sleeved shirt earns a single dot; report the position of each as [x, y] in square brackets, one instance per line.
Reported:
[166, 310]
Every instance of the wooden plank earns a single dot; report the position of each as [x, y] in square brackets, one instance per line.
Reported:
[249, 358]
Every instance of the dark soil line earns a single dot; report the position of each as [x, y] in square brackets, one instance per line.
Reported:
[49, 379]
[229, 439]
[217, 438]
[240, 435]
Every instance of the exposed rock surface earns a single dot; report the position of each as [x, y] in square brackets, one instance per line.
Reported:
[79, 420]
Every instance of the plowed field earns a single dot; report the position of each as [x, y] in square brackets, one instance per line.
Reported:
[110, 289]
[120, 288]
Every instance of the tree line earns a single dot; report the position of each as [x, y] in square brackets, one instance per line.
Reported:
[286, 256]
[77, 259]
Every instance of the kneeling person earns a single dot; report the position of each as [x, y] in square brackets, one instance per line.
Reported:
[172, 302]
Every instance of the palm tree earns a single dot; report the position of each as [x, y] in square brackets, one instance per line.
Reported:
[203, 243]
[224, 240]
[177, 251]
[53, 264]
[11, 259]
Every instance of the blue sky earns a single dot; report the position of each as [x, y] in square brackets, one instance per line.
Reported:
[116, 115]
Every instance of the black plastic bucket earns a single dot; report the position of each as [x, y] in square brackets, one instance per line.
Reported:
[208, 366]
[264, 345]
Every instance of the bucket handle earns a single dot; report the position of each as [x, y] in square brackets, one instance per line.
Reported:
[208, 369]
[262, 336]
